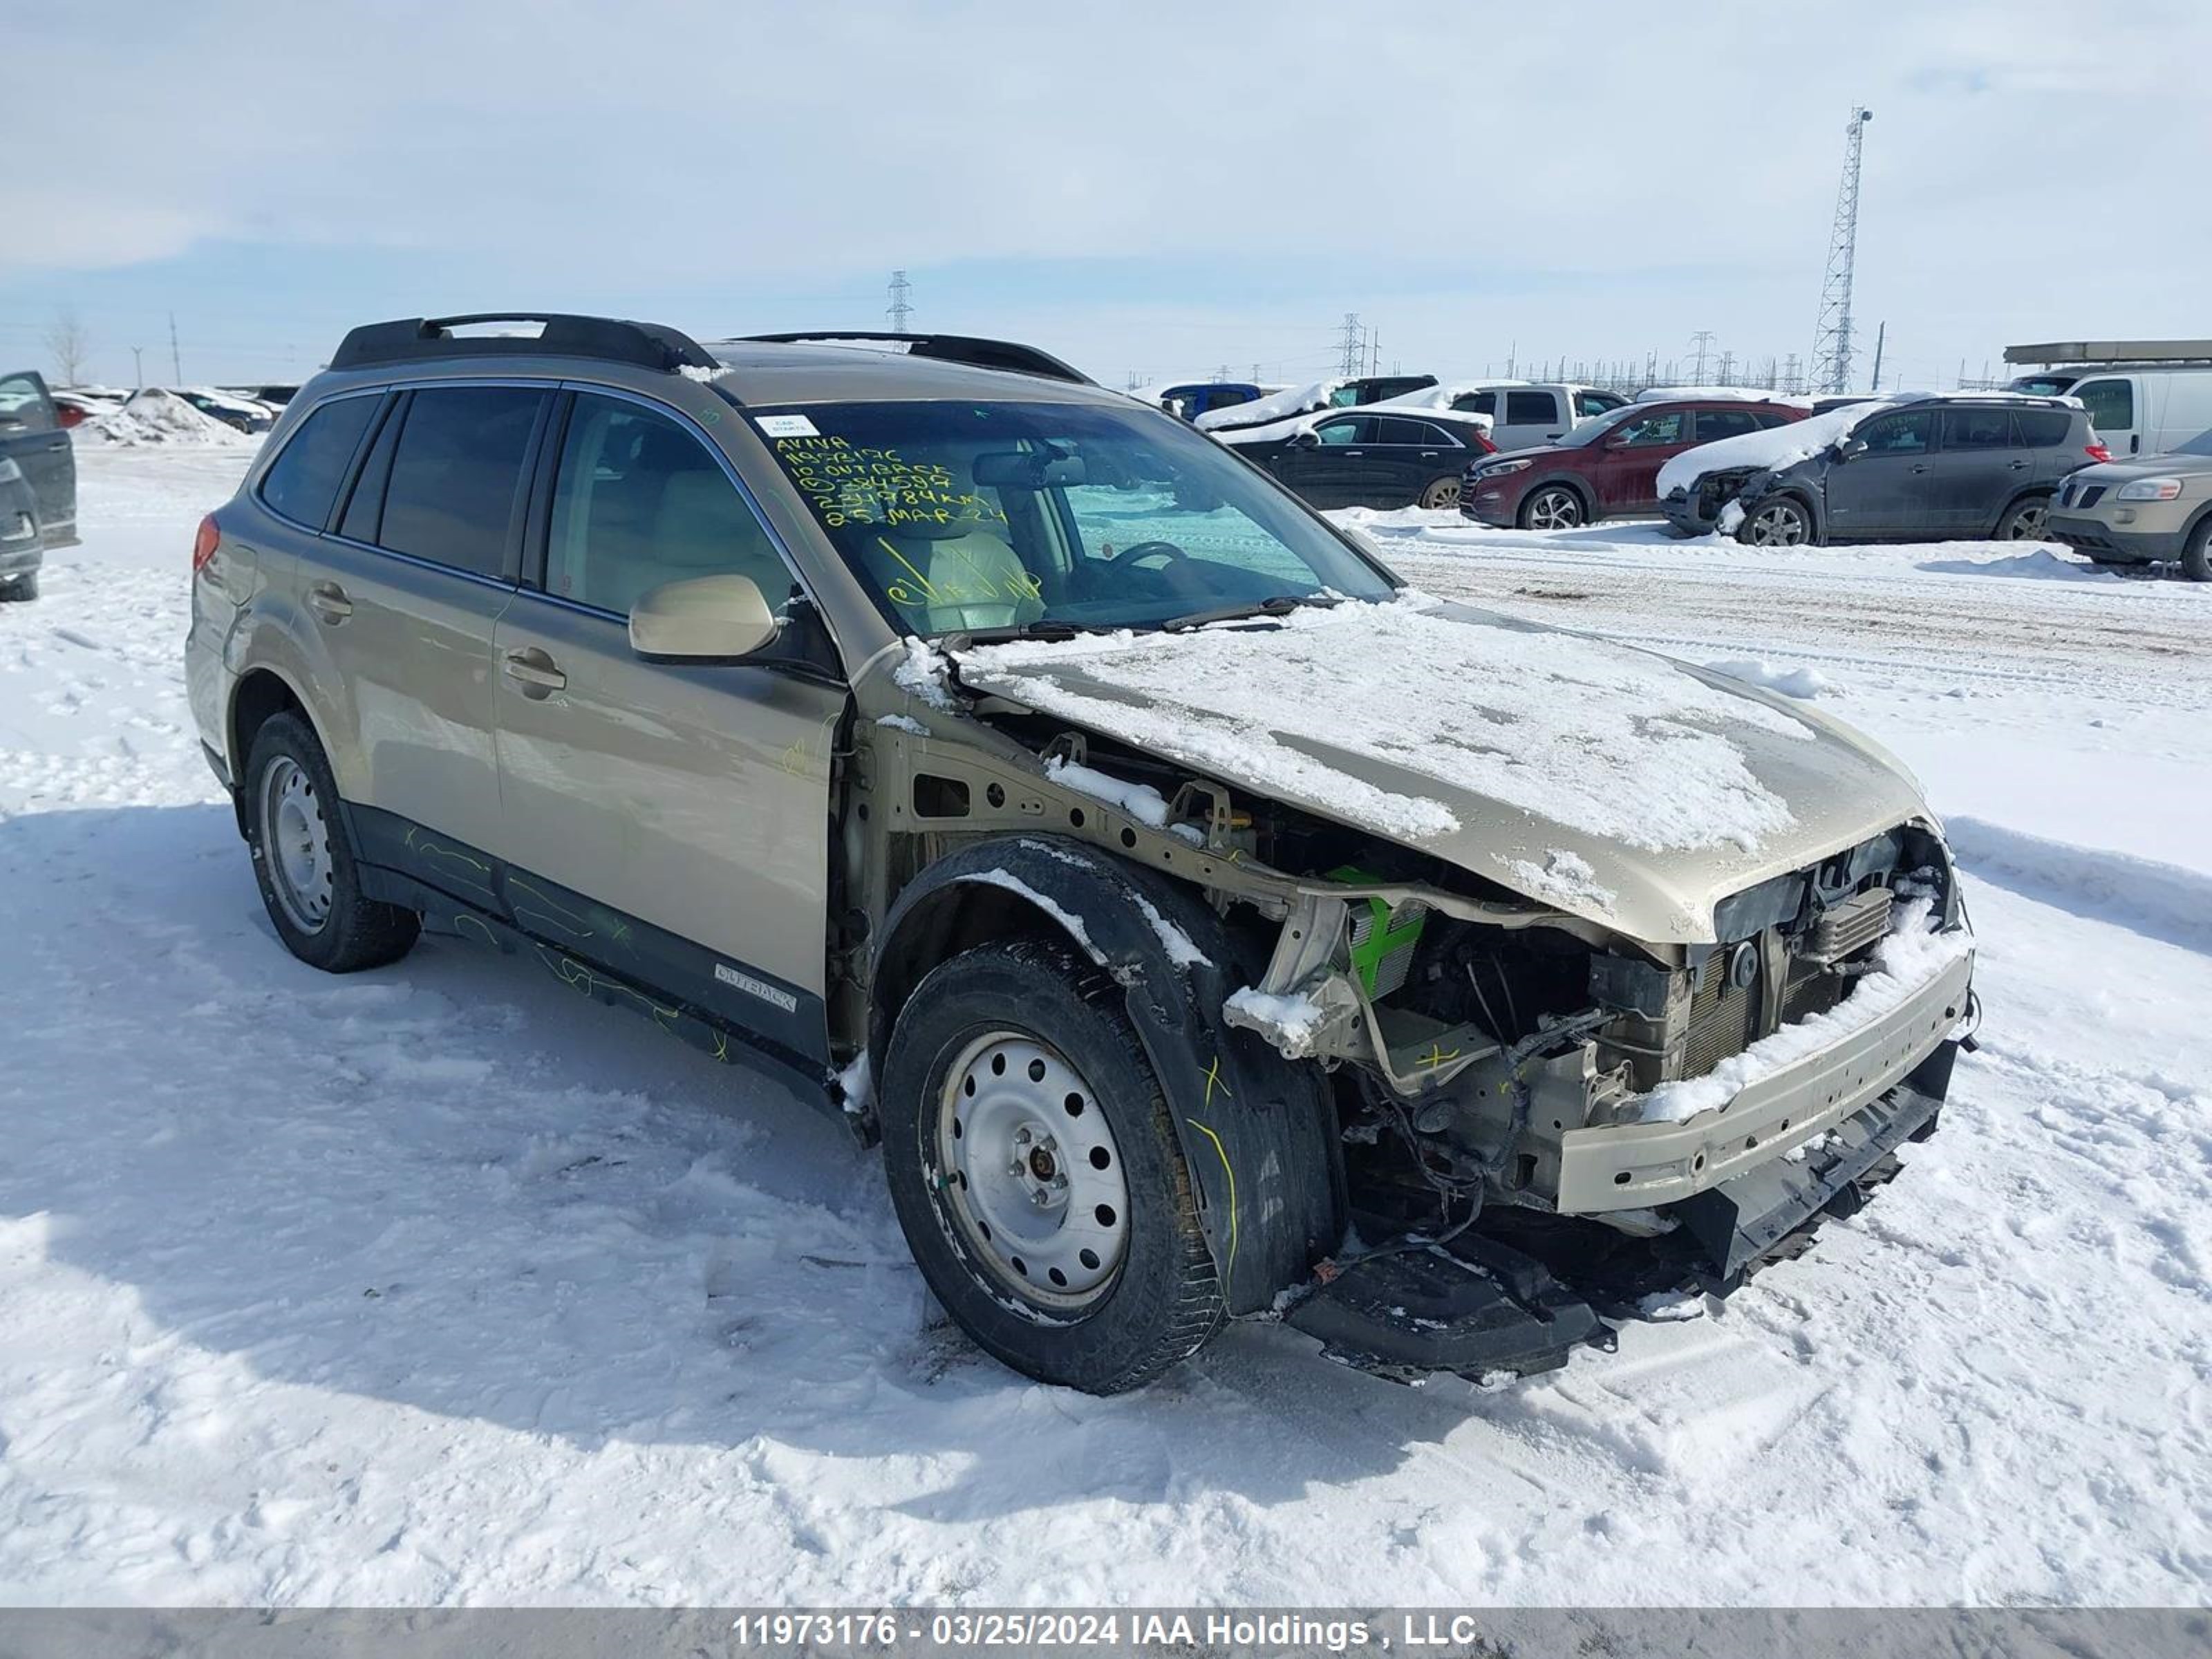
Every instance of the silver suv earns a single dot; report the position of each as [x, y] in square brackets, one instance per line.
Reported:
[1227, 930]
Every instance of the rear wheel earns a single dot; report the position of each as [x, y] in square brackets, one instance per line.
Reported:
[2197, 557]
[1036, 1173]
[2023, 521]
[25, 586]
[1552, 507]
[304, 863]
[1440, 494]
[1780, 522]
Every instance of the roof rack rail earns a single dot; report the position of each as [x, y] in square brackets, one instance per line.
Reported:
[977, 353]
[2053, 352]
[416, 339]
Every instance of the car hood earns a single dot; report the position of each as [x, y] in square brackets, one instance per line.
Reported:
[2114, 473]
[1610, 782]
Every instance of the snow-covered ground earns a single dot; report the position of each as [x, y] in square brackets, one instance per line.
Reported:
[432, 1286]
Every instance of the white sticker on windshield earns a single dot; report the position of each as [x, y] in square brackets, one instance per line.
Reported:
[786, 426]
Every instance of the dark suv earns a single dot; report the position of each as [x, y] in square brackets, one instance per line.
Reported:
[1607, 467]
[1932, 468]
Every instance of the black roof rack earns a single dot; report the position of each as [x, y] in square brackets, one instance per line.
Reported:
[416, 339]
[945, 348]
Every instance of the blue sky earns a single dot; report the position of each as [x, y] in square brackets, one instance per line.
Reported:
[1146, 189]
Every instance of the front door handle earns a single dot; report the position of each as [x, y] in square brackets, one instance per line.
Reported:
[2018, 466]
[535, 672]
[328, 600]
[59, 444]
[1920, 466]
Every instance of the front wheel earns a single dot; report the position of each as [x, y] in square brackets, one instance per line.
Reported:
[1552, 507]
[25, 586]
[1036, 1173]
[2024, 521]
[1782, 522]
[304, 862]
[1441, 495]
[2197, 557]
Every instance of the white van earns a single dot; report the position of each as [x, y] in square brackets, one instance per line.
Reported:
[2144, 397]
[1524, 414]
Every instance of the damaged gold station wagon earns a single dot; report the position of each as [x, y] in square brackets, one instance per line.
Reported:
[1227, 930]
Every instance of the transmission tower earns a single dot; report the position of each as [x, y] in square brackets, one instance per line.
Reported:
[1831, 341]
[1354, 345]
[1701, 339]
[898, 311]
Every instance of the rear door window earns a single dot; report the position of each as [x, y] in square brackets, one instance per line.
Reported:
[302, 482]
[458, 473]
[1396, 430]
[1977, 428]
[2111, 403]
[1530, 409]
[1717, 423]
[639, 502]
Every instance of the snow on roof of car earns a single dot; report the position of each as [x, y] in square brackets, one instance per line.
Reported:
[1276, 406]
[1714, 394]
[1596, 737]
[1276, 430]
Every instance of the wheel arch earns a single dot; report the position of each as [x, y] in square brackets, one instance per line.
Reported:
[1805, 496]
[260, 694]
[2042, 492]
[1257, 1132]
[1573, 481]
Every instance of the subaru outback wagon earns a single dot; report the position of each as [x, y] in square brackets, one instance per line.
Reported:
[1205, 926]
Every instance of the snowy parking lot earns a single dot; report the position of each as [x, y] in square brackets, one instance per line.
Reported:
[433, 1285]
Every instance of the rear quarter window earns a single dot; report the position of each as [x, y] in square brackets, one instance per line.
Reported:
[302, 482]
[2042, 429]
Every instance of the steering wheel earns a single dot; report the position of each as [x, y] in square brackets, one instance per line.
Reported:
[1167, 550]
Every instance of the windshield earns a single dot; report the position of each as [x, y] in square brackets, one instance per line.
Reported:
[967, 517]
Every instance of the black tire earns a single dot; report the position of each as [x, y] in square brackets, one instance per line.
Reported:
[355, 931]
[1561, 504]
[1164, 1299]
[1440, 494]
[2023, 519]
[1770, 524]
[23, 587]
[2197, 557]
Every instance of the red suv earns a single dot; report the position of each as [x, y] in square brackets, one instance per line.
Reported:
[1608, 467]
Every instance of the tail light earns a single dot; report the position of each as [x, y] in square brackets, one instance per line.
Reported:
[1484, 444]
[205, 544]
[2097, 453]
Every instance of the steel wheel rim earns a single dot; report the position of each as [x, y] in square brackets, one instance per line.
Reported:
[1028, 1173]
[2028, 524]
[295, 844]
[1555, 509]
[1776, 526]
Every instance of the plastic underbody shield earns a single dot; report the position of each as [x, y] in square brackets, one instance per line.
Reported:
[1521, 1289]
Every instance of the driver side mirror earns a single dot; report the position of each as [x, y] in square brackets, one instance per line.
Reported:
[1850, 449]
[702, 619]
[1306, 439]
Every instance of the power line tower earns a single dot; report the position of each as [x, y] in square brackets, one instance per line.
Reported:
[1354, 345]
[1728, 368]
[1701, 339]
[898, 311]
[1791, 381]
[1831, 341]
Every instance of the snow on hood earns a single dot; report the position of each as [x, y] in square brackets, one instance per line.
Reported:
[1642, 790]
[1768, 451]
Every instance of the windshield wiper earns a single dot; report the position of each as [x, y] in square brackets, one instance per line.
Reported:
[1275, 605]
[1043, 629]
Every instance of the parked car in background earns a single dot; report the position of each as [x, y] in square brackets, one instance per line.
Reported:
[1929, 466]
[75, 405]
[2145, 509]
[244, 414]
[1287, 403]
[34, 444]
[1608, 467]
[2144, 397]
[1368, 456]
[1522, 416]
[276, 396]
[22, 549]
[1192, 398]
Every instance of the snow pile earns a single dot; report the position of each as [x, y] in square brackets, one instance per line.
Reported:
[156, 417]
[1905, 962]
[1357, 709]
[1802, 683]
[1714, 394]
[1766, 452]
[1276, 406]
[922, 673]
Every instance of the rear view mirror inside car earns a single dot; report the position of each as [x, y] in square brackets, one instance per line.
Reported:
[1028, 469]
